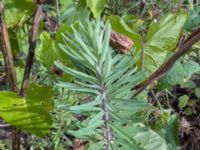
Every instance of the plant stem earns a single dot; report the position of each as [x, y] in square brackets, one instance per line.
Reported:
[58, 12]
[10, 69]
[31, 53]
[142, 58]
[7, 52]
[153, 8]
[180, 3]
[106, 117]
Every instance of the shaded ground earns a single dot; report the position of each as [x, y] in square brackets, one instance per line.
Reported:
[189, 116]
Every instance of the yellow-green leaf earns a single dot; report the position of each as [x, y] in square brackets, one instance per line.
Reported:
[32, 113]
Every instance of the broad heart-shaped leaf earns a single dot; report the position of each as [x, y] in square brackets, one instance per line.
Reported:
[150, 140]
[15, 10]
[120, 26]
[194, 19]
[32, 113]
[65, 4]
[178, 73]
[47, 51]
[162, 37]
[74, 12]
[142, 137]
[96, 6]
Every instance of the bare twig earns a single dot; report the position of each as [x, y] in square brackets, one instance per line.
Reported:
[7, 52]
[180, 3]
[31, 54]
[192, 39]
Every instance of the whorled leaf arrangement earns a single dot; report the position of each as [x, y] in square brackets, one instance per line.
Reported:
[108, 78]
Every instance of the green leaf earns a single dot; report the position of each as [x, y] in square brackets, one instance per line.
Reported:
[178, 73]
[190, 67]
[108, 76]
[188, 111]
[122, 134]
[15, 10]
[142, 137]
[150, 140]
[32, 113]
[133, 22]
[72, 12]
[92, 125]
[162, 37]
[194, 19]
[19, 75]
[86, 107]
[183, 101]
[47, 51]
[197, 92]
[65, 4]
[172, 131]
[96, 6]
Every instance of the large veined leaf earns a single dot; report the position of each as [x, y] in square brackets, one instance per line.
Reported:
[133, 22]
[15, 10]
[150, 140]
[172, 132]
[145, 138]
[74, 12]
[120, 26]
[96, 6]
[194, 19]
[47, 52]
[162, 37]
[178, 73]
[32, 113]
[65, 4]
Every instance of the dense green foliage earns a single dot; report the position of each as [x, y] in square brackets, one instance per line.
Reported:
[91, 84]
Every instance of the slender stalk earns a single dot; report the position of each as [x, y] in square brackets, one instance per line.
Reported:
[31, 53]
[7, 52]
[142, 58]
[180, 3]
[153, 8]
[10, 69]
[192, 39]
[106, 117]
[58, 12]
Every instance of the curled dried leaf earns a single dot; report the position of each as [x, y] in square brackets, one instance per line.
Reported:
[120, 42]
[56, 70]
[78, 144]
